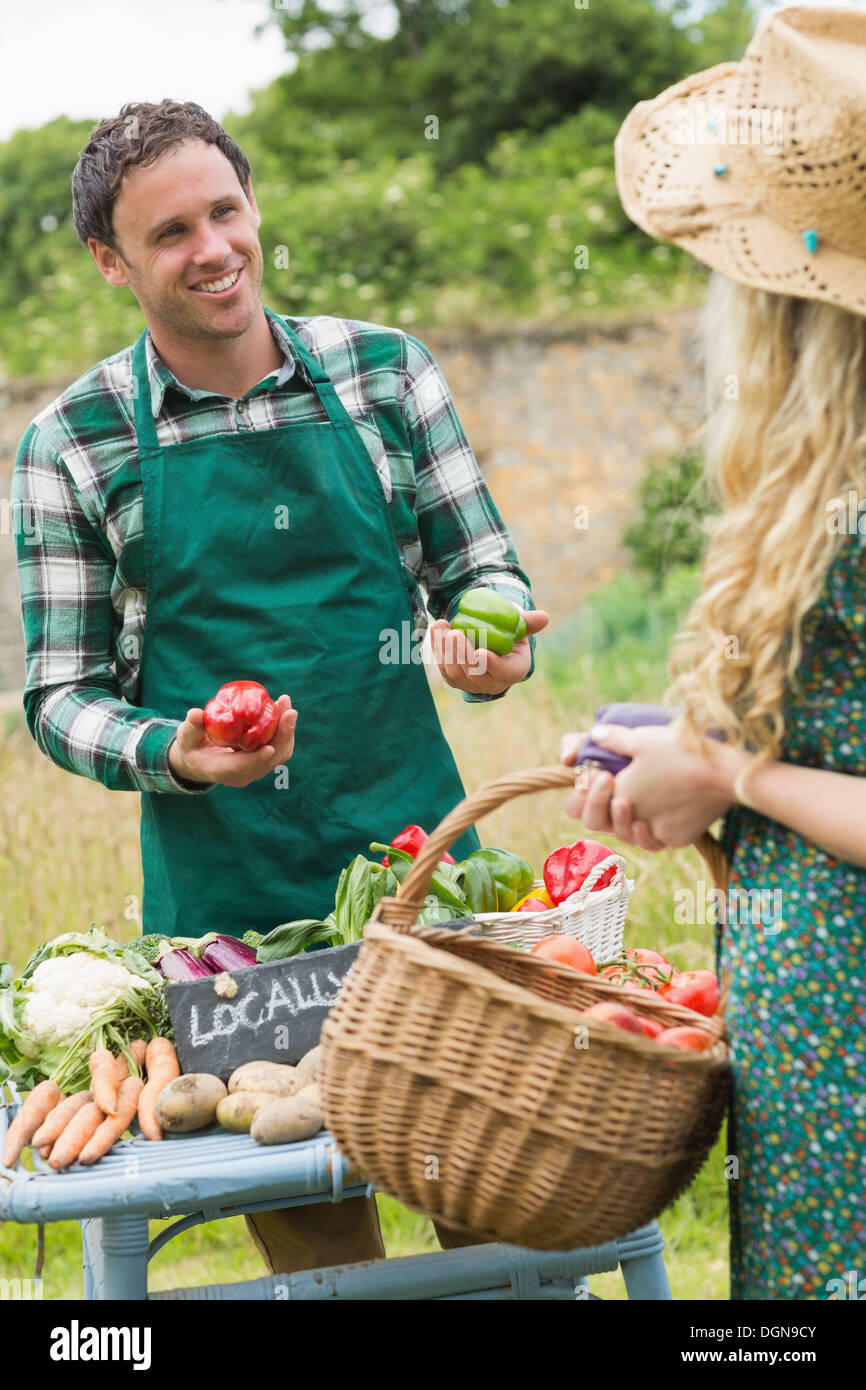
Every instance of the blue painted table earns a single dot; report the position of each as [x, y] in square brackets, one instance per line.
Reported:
[206, 1176]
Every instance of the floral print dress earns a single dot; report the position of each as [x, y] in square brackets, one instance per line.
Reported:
[796, 1010]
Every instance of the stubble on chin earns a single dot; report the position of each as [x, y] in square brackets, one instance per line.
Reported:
[182, 321]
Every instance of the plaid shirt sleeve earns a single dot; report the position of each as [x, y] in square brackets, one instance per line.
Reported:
[72, 699]
[464, 541]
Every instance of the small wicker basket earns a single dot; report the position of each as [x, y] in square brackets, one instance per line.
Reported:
[595, 916]
[459, 1077]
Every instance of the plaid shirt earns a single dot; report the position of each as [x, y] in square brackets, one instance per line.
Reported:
[77, 497]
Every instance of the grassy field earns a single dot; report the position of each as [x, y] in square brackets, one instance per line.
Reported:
[69, 856]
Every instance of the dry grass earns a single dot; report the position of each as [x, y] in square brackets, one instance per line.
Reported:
[68, 849]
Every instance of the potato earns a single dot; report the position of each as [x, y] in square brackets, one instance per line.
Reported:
[308, 1067]
[189, 1102]
[287, 1120]
[312, 1092]
[273, 1077]
[235, 1112]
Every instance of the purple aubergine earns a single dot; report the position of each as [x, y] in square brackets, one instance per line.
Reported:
[226, 953]
[631, 716]
[181, 964]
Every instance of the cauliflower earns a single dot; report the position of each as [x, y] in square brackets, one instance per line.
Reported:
[67, 991]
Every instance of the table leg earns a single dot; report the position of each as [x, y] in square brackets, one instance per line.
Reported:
[643, 1268]
[115, 1257]
[87, 1238]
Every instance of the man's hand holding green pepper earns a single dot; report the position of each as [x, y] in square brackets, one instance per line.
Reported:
[485, 649]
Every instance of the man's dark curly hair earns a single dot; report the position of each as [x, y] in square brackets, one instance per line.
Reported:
[138, 135]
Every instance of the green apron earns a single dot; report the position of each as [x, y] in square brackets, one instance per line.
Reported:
[235, 594]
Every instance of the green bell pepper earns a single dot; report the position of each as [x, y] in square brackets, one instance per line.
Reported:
[446, 889]
[479, 886]
[511, 874]
[490, 621]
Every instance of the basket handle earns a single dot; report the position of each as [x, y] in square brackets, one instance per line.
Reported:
[400, 912]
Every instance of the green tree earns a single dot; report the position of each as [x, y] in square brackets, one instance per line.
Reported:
[481, 67]
[36, 232]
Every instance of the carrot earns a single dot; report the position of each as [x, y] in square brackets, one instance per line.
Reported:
[103, 1079]
[33, 1113]
[81, 1127]
[114, 1126]
[51, 1130]
[162, 1067]
[137, 1051]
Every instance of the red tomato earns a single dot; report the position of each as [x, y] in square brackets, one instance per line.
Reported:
[691, 1038]
[651, 1027]
[634, 982]
[641, 956]
[619, 977]
[694, 989]
[647, 957]
[617, 1014]
[566, 950]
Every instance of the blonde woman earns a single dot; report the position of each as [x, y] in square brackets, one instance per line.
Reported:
[774, 649]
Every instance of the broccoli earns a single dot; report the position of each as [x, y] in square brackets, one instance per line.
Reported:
[253, 939]
[148, 946]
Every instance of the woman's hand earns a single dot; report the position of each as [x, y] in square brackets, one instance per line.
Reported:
[676, 794]
[593, 802]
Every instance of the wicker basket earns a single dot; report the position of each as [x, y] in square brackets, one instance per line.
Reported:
[458, 1076]
[594, 916]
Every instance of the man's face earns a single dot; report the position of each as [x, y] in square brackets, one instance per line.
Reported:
[181, 224]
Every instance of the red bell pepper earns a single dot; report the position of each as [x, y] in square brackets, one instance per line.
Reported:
[241, 715]
[566, 868]
[410, 841]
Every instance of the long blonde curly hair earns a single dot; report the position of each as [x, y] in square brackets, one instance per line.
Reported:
[785, 436]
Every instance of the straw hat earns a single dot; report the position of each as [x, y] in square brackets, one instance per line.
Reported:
[758, 168]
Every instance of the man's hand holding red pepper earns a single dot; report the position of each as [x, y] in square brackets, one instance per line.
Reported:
[195, 758]
[483, 672]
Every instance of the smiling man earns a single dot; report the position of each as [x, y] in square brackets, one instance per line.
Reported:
[241, 495]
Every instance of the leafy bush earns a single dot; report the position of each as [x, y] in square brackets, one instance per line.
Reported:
[392, 241]
[674, 500]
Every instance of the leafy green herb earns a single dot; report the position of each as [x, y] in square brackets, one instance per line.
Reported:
[292, 938]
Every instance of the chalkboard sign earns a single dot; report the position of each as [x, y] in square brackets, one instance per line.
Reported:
[275, 1016]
